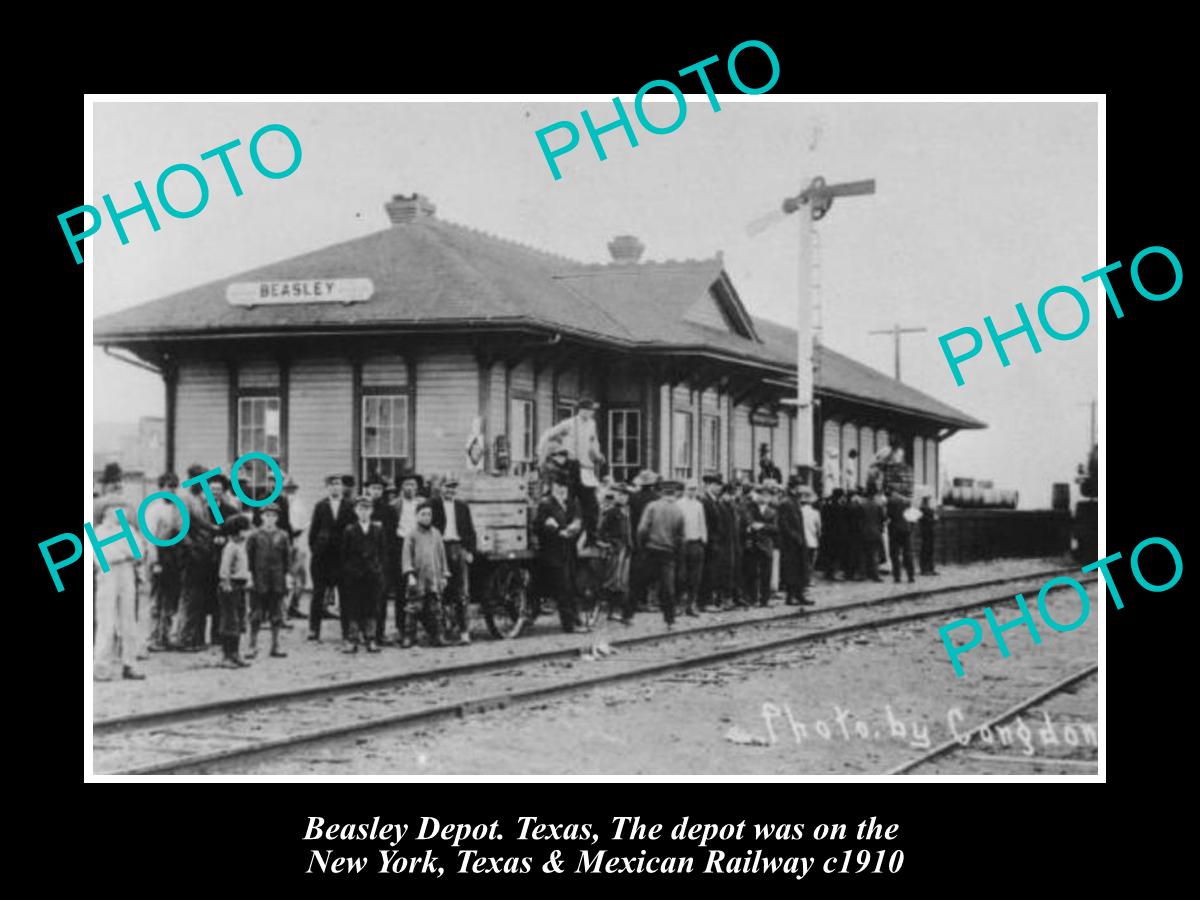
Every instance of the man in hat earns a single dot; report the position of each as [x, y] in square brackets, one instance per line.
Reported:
[730, 588]
[557, 525]
[116, 632]
[299, 516]
[452, 517]
[660, 536]
[165, 564]
[361, 577]
[384, 514]
[716, 549]
[793, 556]
[870, 535]
[332, 515]
[766, 467]
[577, 435]
[928, 523]
[762, 531]
[646, 483]
[899, 531]
[614, 538]
[695, 539]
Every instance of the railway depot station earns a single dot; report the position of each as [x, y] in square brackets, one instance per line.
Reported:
[380, 354]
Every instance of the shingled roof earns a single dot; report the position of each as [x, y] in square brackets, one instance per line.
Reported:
[429, 272]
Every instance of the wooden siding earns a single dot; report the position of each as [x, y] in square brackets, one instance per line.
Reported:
[447, 403]
[743, 451]
[202, 415]
[385, 371]
[521, 378]
[258, 373]
[320, 422]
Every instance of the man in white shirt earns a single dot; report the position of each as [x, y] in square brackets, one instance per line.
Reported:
[695, 537]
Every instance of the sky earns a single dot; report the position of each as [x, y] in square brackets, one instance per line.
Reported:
[978, 206]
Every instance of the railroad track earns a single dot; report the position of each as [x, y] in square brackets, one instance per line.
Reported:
[957, 747]
[207, 735]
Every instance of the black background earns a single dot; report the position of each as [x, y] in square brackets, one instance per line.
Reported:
[955, 836]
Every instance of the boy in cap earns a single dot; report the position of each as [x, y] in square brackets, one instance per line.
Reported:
[234, 578]
[269, 551]
[425, 571]
[362, 555]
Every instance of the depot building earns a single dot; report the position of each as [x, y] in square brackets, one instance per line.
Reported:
[382, 353]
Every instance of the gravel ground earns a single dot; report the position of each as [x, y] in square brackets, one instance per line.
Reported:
[859, 704]
[181, 679]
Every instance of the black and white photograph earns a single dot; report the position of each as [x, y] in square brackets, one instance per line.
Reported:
[471, 438]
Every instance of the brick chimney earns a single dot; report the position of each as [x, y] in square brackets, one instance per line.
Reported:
[402, 210]
[626, 248]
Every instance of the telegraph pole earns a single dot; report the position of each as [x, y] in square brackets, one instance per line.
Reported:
[895, 332]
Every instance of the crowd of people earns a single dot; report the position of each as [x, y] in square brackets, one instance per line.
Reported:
[688, 547]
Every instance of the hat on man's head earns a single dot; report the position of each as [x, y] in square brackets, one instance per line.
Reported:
[330, 479]
[363, 500]
[794, 481]
[289, 484]
[112, 474]
[195, 469]
[348, 482]
[168, 480]
[646, 477]
[450, 482]
[271, 508]
[713, 478]
[671, 485]
[587, 403]
[374, 478]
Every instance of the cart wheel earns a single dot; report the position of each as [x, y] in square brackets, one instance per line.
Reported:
[506, 605]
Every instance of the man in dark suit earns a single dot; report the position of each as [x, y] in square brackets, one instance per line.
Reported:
[793, 553]
[716, 551]
[330, 517]
[871, 536]
[762, 529]
[385, 515]
[557, 525]
[361, 577]
[452, 517]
